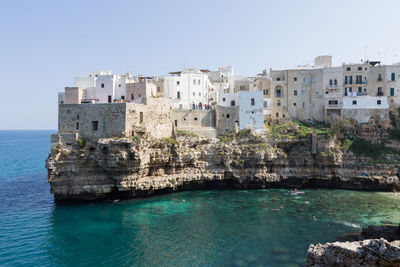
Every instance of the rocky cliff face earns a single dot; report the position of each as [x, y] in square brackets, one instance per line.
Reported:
[130, 167]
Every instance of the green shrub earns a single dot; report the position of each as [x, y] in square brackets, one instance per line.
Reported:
[185, 133]
[364, 147]
[82, 142]
[171, 140]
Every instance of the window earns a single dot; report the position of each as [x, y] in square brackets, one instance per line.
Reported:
[391, 91]
[277, 115]
[358, 79]
[77, 116]
[194, 81]
[195, 119]
[379, 77]
[223, 99]
[252, 102]
[380, 92]
[95, 125]
[199, 94]
[194, 94]
[278, 93]
[233, 103]
[265, 92]
[360, 89]
[77, 125]
[294, 104]
[198, 82]
[359, 68]
[158, 89]
[304, 105]
[132, 96]
[265, 104]
[305, 81]
[295, 79]
[335, 82]
[109, 99]
[348, 69]
[330, 82]
[313, 79]
[278, 79]
[354, 102]
[178, 95]
[279, 103]
[119, 85]
[378, 102]
[227, 116]
[178, 83]
[295, 92]
[302, 93]
[102, 85]
[393, 76]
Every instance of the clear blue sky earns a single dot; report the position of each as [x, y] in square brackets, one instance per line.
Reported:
[45, 44]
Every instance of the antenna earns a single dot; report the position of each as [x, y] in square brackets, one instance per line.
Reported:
[365, 52]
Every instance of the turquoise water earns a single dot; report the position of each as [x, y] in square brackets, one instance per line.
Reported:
[219, 228]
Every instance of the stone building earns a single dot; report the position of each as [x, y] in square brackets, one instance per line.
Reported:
[101, 120]
[140, 91]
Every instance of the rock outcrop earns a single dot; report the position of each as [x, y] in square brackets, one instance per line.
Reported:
[140, 166]
[370, 252]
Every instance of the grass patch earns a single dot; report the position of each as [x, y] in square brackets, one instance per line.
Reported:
[172, 141]
[363, 147]
[185, 133]
[298, 129]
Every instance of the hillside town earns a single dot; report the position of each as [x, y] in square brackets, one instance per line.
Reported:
[211, 103]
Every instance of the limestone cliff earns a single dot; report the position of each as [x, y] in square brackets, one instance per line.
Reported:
[140, 166]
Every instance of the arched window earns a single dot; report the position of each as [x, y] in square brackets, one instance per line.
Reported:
[335, 82]
[233, 103]
[330, 82]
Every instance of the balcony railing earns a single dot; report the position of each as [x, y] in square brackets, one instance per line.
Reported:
[379, 94]
[338, 105]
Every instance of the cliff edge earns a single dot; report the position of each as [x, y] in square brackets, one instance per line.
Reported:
[283, 157]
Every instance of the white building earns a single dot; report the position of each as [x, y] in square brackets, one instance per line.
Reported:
[103, 86]
[187, 89]
[251, 110]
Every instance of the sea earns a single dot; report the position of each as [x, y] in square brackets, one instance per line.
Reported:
[264, 227]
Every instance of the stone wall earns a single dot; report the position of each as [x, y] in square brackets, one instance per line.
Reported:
[193, 118]
[73, 95]
[92, 121]
[155, 117]
[227, 119]
[365, 115]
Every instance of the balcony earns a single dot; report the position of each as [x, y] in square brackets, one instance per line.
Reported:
[332, 87]
[336, 94]
[333, 106]
[379, 94]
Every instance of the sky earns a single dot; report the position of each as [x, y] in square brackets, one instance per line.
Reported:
[45, 44]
